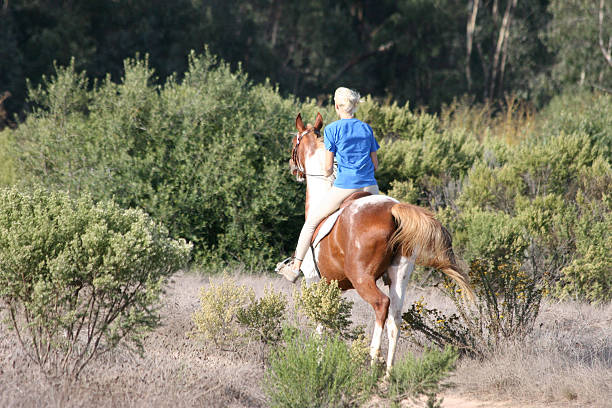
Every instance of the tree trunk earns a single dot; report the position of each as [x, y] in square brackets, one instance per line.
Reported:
[604, 51]
[501, 38]
[495, 11]
[471, 26]
[502, 68]
[485, 69]
[275, 17]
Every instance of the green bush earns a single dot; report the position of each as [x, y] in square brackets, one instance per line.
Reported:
[588, 113]
[417, 157]
[322, 303]
[594, 181]
[537, 168]
[7, 169]
[491, 188]
[412, 377]
[589, 275]
[488, 234]
[548, 223]
[317, 372]
[264, 317]
[432, 163]
[78, 278]
[553, 165]
[404, 191]
[391, 121]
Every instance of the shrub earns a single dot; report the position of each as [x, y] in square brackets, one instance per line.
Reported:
[506, 307]
[489, 234]
[594, 181]
[263, 318]
[323, 304]
[587, 113]
[229, 313]
[431, 163]
[404, 191]
[78, 278]
[589, 274]
[520, 212]
[491, 188]
[417, 157]
[548, 222]
[553, 165]
[392, 121]
[217, 318]
[412, 377]
[317, 372]
[7, 170]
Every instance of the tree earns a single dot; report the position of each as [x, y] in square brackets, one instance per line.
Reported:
[580, 35]
[508, 50]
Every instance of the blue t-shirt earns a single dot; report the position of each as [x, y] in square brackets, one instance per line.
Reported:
[352, 140]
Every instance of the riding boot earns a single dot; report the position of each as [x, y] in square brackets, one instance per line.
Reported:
[288, 270]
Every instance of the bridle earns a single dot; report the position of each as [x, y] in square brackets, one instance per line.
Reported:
[295, 157]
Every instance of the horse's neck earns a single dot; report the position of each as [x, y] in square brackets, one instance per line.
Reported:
[316, 184]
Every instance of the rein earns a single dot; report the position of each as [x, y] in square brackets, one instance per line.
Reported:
[300, 170]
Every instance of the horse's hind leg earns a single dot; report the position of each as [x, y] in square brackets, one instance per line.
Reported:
[399, 273]
[367, 289]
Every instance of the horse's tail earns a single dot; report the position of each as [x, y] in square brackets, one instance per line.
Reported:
[417, 229]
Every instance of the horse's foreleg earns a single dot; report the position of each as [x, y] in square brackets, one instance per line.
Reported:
[368, 290]
[399, 273]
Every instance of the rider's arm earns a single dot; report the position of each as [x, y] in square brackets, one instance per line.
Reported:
[329, 163]
[374, 160]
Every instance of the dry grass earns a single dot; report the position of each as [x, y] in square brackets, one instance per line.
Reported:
[567, 362]
[511, 120]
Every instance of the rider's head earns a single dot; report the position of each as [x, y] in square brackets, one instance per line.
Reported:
[346, 100]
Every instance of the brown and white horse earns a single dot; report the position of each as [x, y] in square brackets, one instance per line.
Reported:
[374, 235]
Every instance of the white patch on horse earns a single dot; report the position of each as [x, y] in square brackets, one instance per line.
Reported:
[318, 184]
[376, 340]
[399, 273]
[366, 201]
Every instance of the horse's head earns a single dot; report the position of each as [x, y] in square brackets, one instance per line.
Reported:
[304, 143]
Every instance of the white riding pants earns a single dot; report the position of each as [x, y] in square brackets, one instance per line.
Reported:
[327, 205]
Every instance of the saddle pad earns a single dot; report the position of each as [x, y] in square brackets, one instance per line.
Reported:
[308, 264]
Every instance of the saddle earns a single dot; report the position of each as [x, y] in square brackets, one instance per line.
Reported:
[324, 231]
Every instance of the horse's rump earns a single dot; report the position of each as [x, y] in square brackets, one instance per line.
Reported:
[357, 244]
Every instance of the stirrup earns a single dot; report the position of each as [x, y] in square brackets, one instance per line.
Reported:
[282, 263]
[282, 268]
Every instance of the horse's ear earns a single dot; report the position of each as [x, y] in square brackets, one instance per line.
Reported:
[299, 124]
[318, 122]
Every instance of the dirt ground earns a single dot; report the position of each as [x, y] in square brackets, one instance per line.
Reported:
[176, 371]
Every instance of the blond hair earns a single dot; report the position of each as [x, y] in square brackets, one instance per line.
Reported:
[347, 99]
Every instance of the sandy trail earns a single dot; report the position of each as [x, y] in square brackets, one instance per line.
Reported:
[458, 401]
